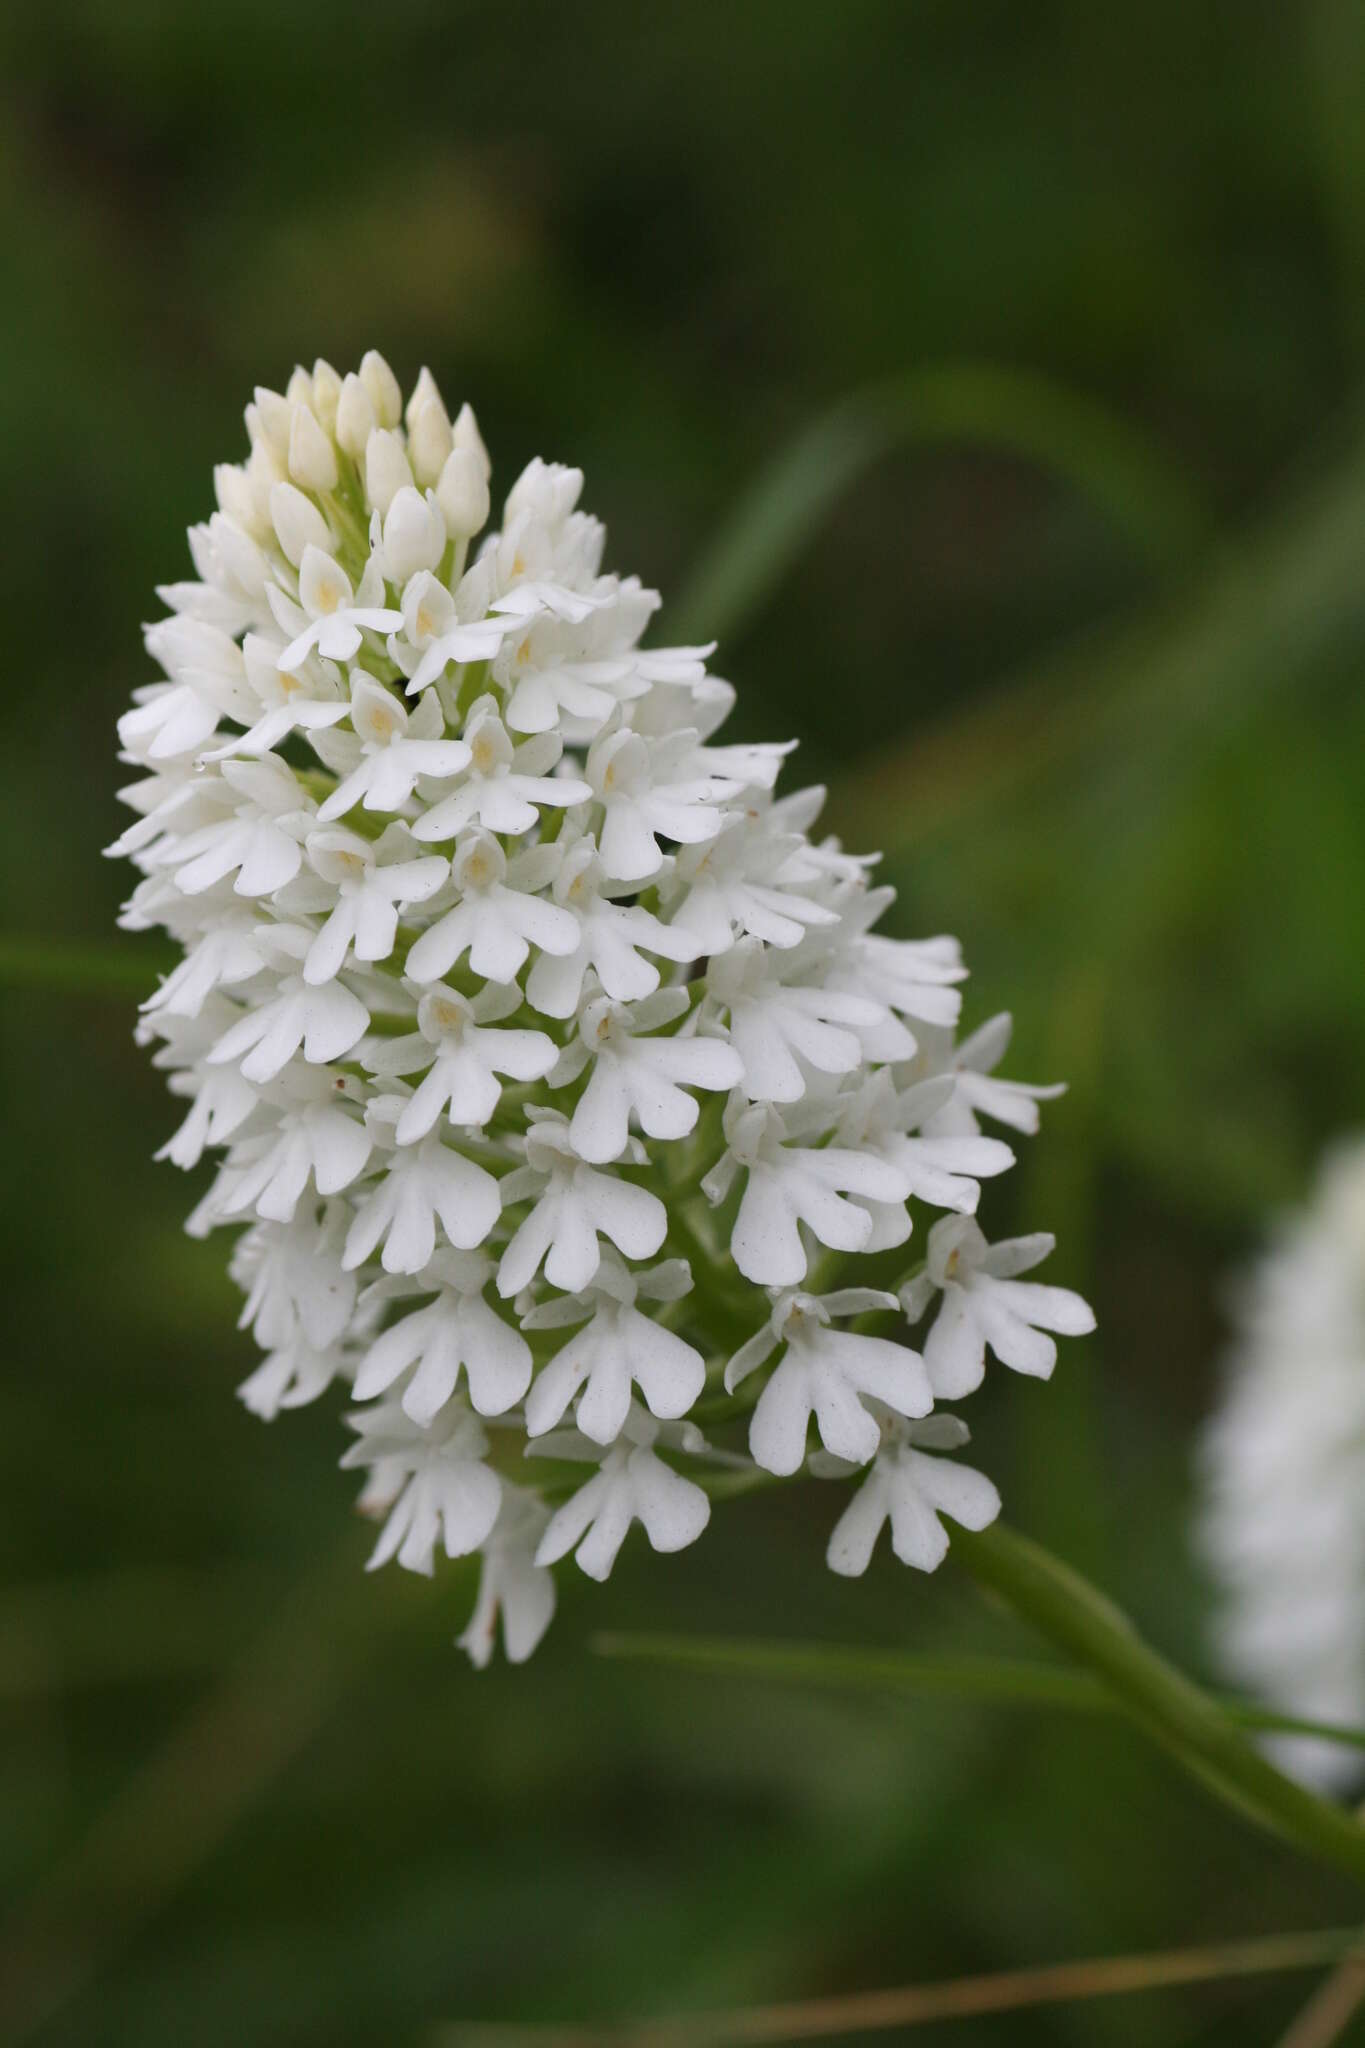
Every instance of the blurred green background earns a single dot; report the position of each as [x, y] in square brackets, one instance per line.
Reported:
[1079, 643]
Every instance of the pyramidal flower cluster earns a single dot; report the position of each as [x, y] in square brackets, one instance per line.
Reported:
[571, 1112]
[1282, 1518]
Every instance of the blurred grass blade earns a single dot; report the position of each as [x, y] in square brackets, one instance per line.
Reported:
[1186, 1722]
[912, 2005]
[61, 967]
[980, 404]
[1287, 605]
[1009, 1681]
[1332, 2007]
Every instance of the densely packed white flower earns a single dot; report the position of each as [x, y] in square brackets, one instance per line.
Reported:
[570, 1109]
[1282, 1523]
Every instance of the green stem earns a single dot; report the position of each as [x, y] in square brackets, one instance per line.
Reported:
[1070, 1612]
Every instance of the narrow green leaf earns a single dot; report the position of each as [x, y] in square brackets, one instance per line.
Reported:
[980, 404]
[1008, 1681]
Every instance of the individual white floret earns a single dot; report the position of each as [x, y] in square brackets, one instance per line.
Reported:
[294, 1280]
[979, 1090]
[737, 885]
[498, 917]
[447, 1495]
[208, 682]
[458, 1330]
[985, 1307]
[574, 1205]
[511, 1584]
[220, 1105]
[635, 1074]
[619, 1348]
[910, 1489]
[917, 978]
[235, 579]
[504, 787]
[782, 1032]
[547, 555]
[177, 798]
[789, 1185]
[365, 886]
[260, 841]
[290, 1377]
[754, 765]
[311, 1134]
[575, 677]
[422, 1185]
[220, 1100]
[441, 626]
[825, 1373]
[633, 1484]
[944, 1171]
[462, 1050]
[390, 748]
[310, 698]
[612, 938]
[334, 618]
[646, 796]
[324, 1022]
[689, 712]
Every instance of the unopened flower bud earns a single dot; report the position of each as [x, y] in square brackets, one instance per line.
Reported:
[414, 534]
[263, 471]
[429, 440]
[386, 468]
[382, 386]
[297, 522]
[326, 393]
[355, 417]
[465, 434]
[462, 493]
[299, 389]
[426, 387]
[236, 500]
[267, 419]
[312, 458]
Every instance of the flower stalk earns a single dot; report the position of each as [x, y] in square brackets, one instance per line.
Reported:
[1185, 1721]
